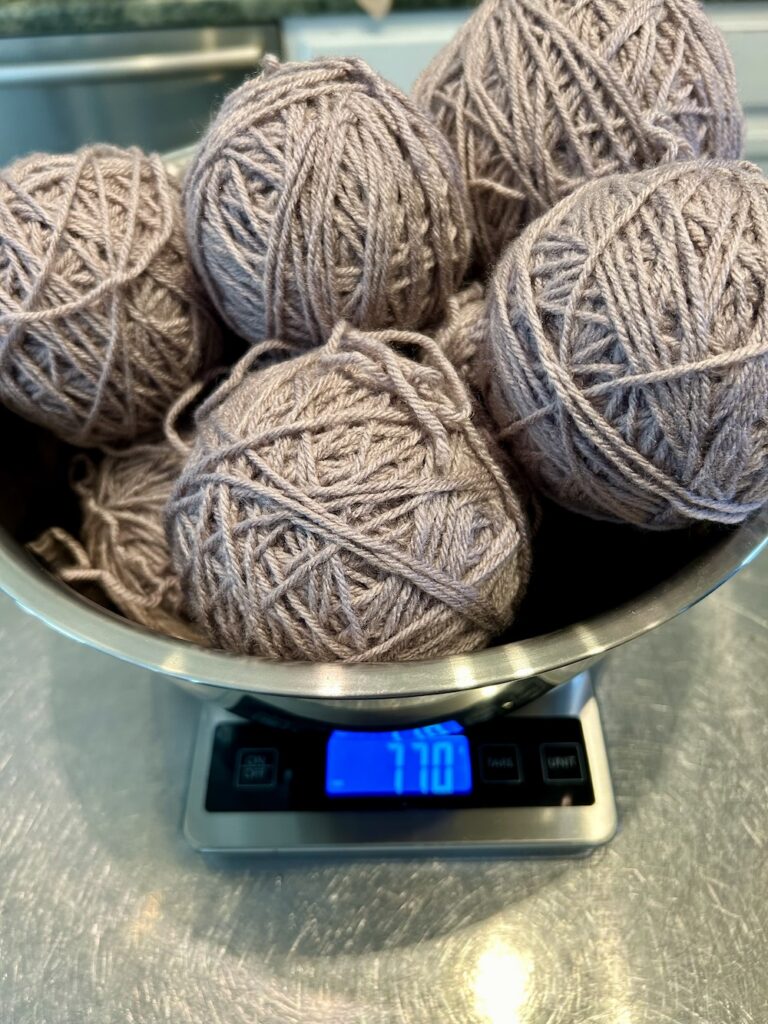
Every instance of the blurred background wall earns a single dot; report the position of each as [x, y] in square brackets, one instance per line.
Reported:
[151, 72]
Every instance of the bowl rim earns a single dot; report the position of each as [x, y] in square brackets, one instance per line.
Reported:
[69, 613]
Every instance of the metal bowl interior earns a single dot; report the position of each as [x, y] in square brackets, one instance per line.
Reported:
[595, 586]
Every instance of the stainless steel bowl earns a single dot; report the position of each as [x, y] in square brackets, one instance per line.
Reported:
[595, 586]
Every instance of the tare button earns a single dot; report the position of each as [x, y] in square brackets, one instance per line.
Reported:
[562, 762]
[500, 762]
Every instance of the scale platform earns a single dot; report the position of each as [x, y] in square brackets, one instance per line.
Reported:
[532, 782]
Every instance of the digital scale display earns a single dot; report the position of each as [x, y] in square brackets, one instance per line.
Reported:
[431, 761]
[512, 762]
[534, 781]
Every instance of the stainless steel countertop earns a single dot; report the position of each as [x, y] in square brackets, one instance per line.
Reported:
[107, 916]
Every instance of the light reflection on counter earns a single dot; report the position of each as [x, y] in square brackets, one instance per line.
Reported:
[501, 984]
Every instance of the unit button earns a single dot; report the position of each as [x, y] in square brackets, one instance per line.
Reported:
[500, 762]
[562, 762]
[256, 767]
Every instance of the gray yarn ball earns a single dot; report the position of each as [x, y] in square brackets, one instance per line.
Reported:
[460, 334]
[342, 506]
[628, 360]
[102, 323]
[123, 548]
[319, 194]
[539, 96]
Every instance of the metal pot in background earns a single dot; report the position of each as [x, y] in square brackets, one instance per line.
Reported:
[154, 89]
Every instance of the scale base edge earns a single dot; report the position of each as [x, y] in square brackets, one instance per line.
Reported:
[497, 831]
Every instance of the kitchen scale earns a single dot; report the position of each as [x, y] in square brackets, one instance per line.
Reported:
[533, 781]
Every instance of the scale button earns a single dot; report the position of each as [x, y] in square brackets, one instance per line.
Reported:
[256, 767]
[562, 762]
[500, 762]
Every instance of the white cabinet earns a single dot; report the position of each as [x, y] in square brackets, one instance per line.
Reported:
[745, 26]
[402, 44]
[398, 47]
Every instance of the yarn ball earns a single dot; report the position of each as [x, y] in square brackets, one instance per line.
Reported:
[628, 346]
[102, 324]
[460, 334]
[540, 96]
[123, 547]
[342, 506]
[320, 193]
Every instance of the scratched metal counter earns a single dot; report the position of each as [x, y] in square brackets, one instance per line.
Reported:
[107, 916]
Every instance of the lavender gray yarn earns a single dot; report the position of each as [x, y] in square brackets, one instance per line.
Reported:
[628, 360]
[341, 506]
[461, 333]
[320, 193]
[102, 324]
[539, 96]
[124, 549]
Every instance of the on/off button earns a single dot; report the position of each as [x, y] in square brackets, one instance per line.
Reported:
[256, 768]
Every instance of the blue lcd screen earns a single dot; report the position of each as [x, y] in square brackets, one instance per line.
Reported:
[431, 761]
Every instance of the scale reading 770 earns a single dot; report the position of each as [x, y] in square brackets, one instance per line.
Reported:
[432, 761]
[533, 781]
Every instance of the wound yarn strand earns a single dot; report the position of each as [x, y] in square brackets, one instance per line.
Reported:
[342, 506]
[539, 96]
[319, 194]
[102, 323]
[123, 547]
[627, 347]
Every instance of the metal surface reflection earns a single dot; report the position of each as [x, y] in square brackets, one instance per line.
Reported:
[500, 983]
[106, 914]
